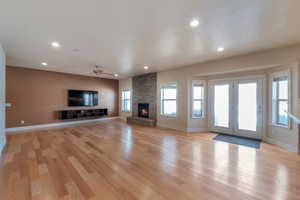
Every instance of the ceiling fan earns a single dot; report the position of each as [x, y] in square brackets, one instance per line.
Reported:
[98, 71]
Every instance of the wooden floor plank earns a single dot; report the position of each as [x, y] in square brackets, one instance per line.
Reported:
[112, 160]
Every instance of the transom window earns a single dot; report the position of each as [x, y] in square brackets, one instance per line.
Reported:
[280, 95]
[126, 100]
[197, 99]
[169, 100]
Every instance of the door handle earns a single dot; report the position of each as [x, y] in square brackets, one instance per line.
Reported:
[259, 109]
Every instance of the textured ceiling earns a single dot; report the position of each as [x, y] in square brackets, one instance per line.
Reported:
[123, 36]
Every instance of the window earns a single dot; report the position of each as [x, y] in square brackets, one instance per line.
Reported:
[126, 100]
[169, 100]
[280, 96]
[197, 99]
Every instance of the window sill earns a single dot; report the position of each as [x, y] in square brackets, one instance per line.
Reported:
[197, 117]
[127, 111]
[170, 116]
[280, 126]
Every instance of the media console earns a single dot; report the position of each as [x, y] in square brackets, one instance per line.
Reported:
[81, 114]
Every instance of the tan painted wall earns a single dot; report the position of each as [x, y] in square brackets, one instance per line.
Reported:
[299, 104]
[197, 124]
[180, 121]
[255, 61]
[124, 84]
[37, 95]
[201, 124]
[288, 137]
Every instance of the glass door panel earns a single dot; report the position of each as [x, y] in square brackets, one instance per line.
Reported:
[248, 97]
[221, 105]
[247, 106]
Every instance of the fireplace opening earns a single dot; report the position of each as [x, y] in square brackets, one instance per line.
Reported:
[143, 110]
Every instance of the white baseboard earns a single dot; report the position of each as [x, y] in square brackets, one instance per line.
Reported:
[171, 127]
[53, 125]
[190, 130]
[123, 118]
[282, 145]
[197, 130]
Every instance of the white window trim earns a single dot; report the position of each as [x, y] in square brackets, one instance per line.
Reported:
[202, 82]
[125, 90]
[161, 99]
[271, 78]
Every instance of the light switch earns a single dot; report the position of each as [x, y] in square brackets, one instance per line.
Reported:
[8, 105]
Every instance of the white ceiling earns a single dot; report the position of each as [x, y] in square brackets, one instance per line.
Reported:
[124, 35]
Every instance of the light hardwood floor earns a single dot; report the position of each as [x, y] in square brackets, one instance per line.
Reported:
[112, 160]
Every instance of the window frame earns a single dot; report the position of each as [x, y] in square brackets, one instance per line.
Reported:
[125, 100]
[202, 84]
[276, 101]
[166, 86]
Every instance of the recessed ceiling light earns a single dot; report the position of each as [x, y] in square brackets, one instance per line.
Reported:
[220, 49]
[146, 67]
[194, 23]
[44, 63]
[116, 75]
[55, 44]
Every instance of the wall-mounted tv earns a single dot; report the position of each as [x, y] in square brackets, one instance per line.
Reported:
[82, 98]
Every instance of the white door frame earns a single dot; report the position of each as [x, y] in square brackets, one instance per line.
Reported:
[231, 129]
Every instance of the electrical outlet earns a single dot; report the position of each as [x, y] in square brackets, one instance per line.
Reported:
[22, 122]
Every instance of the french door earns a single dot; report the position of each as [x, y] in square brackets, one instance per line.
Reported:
[236, 107]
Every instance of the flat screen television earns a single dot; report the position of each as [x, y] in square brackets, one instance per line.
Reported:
[82, 98]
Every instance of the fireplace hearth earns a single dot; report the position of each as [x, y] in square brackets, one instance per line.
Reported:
[143, 116]
[143, 110]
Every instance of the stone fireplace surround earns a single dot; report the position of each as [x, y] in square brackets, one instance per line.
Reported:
[144, 92]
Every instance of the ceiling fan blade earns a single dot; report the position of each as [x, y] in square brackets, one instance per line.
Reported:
[98, 71]
[108, 73]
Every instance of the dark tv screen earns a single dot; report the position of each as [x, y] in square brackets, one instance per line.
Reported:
[83, 98]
